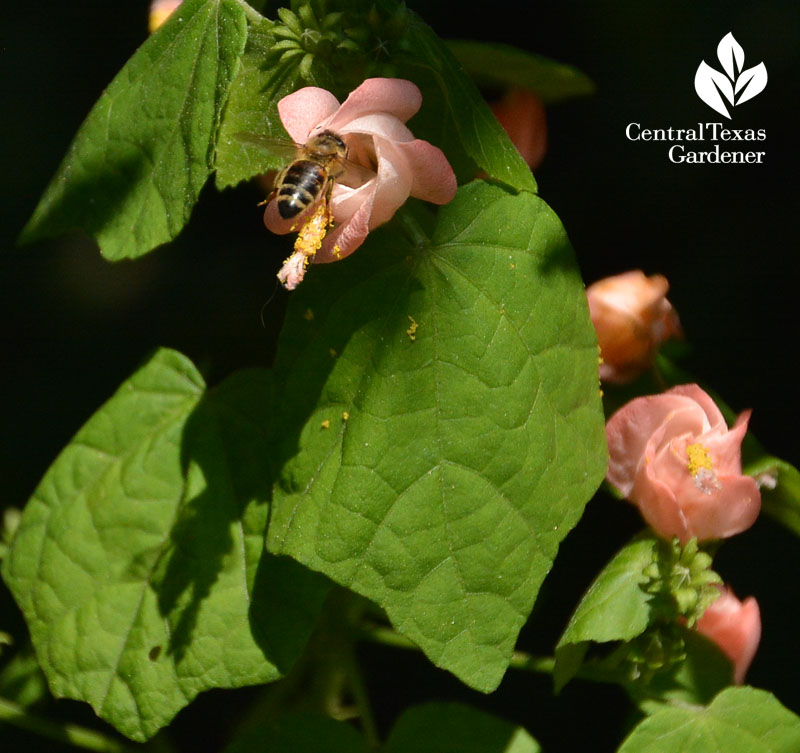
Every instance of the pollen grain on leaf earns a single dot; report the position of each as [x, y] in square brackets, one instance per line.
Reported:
[412, 329]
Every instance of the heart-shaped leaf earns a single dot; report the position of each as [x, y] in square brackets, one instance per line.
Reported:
[447, 386]
[136, 166]
[139, 560]
[738, 720]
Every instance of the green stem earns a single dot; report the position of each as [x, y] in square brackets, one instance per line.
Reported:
[519, 660]
[362, 701]
[71, 734]
[412, 228]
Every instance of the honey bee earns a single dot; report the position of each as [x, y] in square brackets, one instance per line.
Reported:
[316, 166]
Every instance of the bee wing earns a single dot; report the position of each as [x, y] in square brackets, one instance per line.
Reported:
[354, 174]
[283, 149]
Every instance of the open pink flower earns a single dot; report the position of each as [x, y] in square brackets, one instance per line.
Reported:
[371, 123]
[674, 457]
[522, 115]
[735, 626]
[632, 317]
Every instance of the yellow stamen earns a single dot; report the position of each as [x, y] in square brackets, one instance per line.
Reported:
[699, 458]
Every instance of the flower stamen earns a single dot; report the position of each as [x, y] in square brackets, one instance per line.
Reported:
[701, 467]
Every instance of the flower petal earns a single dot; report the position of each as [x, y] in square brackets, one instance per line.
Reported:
[433, 178]
[397, 96]
[302, 110]
[630, 430]
[735, 627]
[379, 125]
[693, 391]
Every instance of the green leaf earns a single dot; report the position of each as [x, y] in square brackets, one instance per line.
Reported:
[444, 727]
[779, 482]
[136, 167]
[299, 733]
[452, 430]
[703, 673]
[21, 679]
[501, 65]
[252, 108]
[455, 116]
[615, 608]
[139, 562]
[739, 720]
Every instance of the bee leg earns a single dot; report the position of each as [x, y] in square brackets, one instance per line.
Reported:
[275, 186]
[327, 200]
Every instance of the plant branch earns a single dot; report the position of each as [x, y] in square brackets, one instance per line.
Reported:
[71, 734]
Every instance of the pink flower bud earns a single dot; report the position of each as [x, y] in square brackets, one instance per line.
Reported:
[674, 457]
[522, 115]
[632, 318]
[371, 122]
[735, 626]
[160, 11]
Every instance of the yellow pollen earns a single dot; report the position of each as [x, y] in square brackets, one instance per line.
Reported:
[309, 239]
[326, 424]
[699, 459]
[412, 330]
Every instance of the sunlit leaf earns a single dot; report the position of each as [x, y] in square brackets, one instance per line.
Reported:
[139, 561]
[615, 608]
[457, 117]
[738, 720]
[444, 451]
[136, 166]
[252, 108]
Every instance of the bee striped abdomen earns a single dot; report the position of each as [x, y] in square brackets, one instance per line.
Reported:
[299, 186]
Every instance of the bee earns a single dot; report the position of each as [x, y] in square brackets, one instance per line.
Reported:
[316, 166]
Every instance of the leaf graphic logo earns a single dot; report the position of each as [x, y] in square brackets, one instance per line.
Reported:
[735, 85]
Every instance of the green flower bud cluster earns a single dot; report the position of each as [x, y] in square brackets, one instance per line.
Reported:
[658, 649]
[306, 33]
[681, 582]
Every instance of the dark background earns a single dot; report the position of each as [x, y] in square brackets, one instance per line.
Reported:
[74, 326]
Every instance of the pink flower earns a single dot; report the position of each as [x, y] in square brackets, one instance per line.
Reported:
[160, 11]
[632, 318]
[522, 115]
[735, 626]
[673, 456]
[371, 123]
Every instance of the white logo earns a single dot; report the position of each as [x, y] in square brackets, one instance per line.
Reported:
[735, 85]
